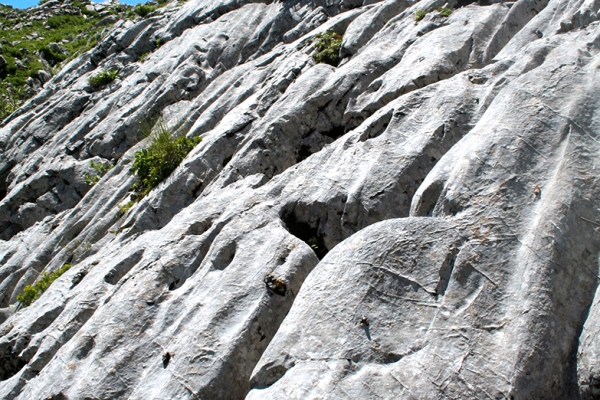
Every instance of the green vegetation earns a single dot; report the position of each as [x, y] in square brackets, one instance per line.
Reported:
[101, 170]
[328, 46]
[163, 155]
[144, 9]
[32, 292]
[103, 78]
[443, 12]
[420, 14]
[143, 56]
[10, 99]
[29, 45]
[125, 207]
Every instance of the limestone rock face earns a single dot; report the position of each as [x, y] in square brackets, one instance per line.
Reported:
[421, 221]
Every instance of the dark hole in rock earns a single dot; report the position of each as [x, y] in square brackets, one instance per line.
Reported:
[10, 365]
[59, 396]
[446, 271]
[303, 153]
[174, 285]
[391, 358]
[166, 358]
[226, 160]
[224, 256]
[261, 334]
[275, 285]
[77, 278]
[306, 233]
[462, 3]
[335, 133]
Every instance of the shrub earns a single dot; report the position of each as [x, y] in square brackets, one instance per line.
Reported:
[32, 292]
[328, 46]
[53, 57]
[143, 10]
[101, 170]
[163, 155]
[103, 78]
[420, 14]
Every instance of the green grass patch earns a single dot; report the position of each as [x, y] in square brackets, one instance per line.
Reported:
[420, 14]
[123, 208]
[159, 160]
[28, 41]
[32, 292]
[327, 45]
[143, 10]
[101, 170]
[443, 12]
[144, 56]
[103, 78]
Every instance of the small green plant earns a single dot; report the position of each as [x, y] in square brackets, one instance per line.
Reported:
[11, 98]
[143, 57]
[328, 46]
[143, 10]
[101, 170]
[157, 43]
[444, 11]
[103, 78]
[125, 207]
[420, 14]
[32, 292]
[163, 155]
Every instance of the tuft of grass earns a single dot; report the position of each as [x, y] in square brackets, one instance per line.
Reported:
[32, 292]
[123, 208]
[103, 78]
[420, 14]
[443, 12]
[101, 170]
[327, 46]
[143, 57]
[159, 160]
[143, 10]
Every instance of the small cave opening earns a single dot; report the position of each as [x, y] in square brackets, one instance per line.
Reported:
[10, 365]
[306, 232]
[335, 133]
[463, 3]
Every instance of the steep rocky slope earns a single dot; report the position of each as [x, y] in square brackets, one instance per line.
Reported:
[420, 221]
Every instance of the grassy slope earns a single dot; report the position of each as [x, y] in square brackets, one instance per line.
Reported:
[77, 28]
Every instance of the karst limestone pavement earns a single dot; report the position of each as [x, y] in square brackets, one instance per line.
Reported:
[420, 221]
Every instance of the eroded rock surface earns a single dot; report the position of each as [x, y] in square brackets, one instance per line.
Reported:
[420, 221]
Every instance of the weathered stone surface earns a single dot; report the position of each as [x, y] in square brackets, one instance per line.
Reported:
[419, 222]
